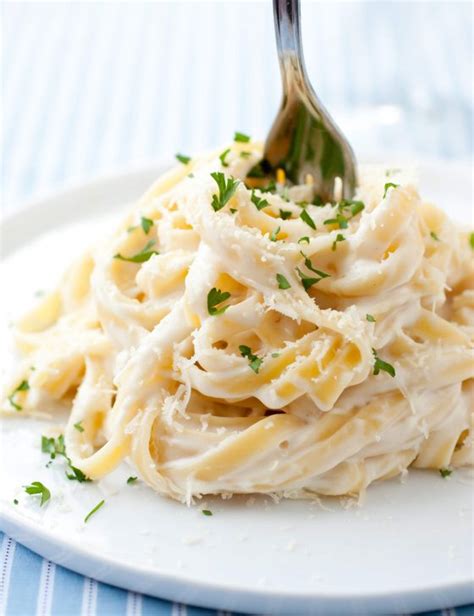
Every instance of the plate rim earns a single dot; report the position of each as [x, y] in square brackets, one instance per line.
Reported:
[215, 595]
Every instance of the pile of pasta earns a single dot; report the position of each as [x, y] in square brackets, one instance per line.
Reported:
[235, 339]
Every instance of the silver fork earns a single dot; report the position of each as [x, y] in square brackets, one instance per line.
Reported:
[304, 139]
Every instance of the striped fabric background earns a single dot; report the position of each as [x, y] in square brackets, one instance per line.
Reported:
[89, 88]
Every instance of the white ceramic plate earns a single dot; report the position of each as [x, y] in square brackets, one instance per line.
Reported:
[408, 548]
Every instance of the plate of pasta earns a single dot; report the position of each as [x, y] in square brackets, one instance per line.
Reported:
[231, 394]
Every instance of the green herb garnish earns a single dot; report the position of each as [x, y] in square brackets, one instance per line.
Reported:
[245, 154]
[273, 234]
[92, 511]
[78, 426]
[223, 156]
[434, 236]
[305, 217]
[183, 159]
[379, 365]
[23, 386]
[226, 190]
[241, 137]
[206, 512]
[339, 238]
[471, 240]
[282, 282]
[131, 480]
[303, 239]
[340, 221]
[254, 361]
[370, 318]
[56, 447]
[285, 214]
[214, 298]
[387, 186]
[140, 257]
[15, 501]
[309, 265]
[258, 201]
[146, 224]
[38, 488]
[445, 472]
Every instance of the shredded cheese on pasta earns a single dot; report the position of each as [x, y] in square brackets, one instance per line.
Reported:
[269, 346]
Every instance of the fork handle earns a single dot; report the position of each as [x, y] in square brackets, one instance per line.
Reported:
[286, 14]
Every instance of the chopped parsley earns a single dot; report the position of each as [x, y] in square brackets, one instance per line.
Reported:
[303, 239]
[445, 472]
[15, 501]
[309, 265]
[222, 157]
[79, 426]
[214, 298]
[56, 447]
[471, 240]
[275, 355]
[285, 214]
[131, 480]
[370, 318]
[270, 187]
[206, 512]
[23, 386]
[92, 511]
[339, 238]
[387, 186]
[340, 220]
[305, 217]
[140, 257]
[379, 365]
[232, 210]
[307, 281]
[146, 224]
[273, 234]
[183, 159]
[356, 207]
[282, 282]
[245, 154]
[226, 190]
[258, 201]
[241, 137]
[434, 236]
[38, 488]
[254, 361]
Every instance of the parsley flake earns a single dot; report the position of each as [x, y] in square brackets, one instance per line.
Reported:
[15, 501]
[245, 154]
[241, 137]
[387, 186]
[206, 512]
[282, 282]
[131, 480]
[223, 156]
[339, 238]
[258, 201]
[309, 265]
[23, 386]
[303, 239]
[434, 236]
[94, 510]
[445, 472]
[146, 224]
[56, 447]
[38, 488]
[305, 217]
[370, 318]
[273, 234]
[214, 298]
[79, 426]
[379, 365]
[471, 240]
[254, 361]
[285, 214]
[140, 257]
[227, 189]
[340, 220]
[183, 159]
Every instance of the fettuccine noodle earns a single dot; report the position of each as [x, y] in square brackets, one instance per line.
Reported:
[265, 345]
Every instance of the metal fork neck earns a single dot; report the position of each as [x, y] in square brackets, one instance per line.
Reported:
[288, 36]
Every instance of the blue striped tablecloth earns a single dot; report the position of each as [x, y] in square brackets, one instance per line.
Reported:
[91, 88]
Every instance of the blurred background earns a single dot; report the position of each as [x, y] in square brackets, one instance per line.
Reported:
[90, 88]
